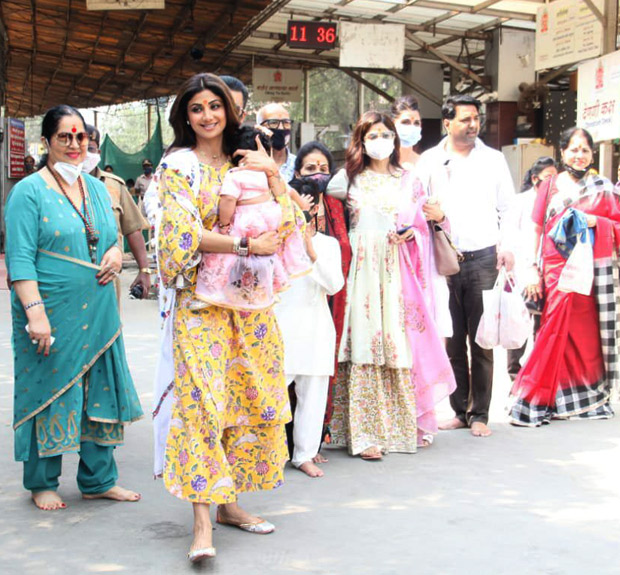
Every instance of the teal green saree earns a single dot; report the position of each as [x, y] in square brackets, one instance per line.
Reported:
[83, 390]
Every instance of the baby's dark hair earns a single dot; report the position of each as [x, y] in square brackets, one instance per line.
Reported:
[245, 139]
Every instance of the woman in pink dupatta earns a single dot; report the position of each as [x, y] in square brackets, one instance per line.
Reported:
[392, 364]
[431, 374]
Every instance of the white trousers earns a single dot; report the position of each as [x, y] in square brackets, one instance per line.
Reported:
[311, 392]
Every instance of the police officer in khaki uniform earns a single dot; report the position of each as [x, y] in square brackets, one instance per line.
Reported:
[129, 220]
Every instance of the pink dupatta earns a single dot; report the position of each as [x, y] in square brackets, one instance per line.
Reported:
[431, 374]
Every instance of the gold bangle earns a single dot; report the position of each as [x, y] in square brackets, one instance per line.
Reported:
[145, 271]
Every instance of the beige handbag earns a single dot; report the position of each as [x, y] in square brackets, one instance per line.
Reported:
[447, 257]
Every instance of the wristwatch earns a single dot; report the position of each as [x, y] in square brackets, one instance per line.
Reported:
[244, 247]
[145, 271]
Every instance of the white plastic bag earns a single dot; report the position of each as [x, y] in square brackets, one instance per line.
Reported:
[578, 273]
[487, 335]
[515, 324]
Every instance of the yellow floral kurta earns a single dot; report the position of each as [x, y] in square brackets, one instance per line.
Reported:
[227, 428]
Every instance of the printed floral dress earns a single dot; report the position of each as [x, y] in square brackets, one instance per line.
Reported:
[230, 405]
[374, 400]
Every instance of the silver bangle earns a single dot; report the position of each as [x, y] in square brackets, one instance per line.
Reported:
[33, 304]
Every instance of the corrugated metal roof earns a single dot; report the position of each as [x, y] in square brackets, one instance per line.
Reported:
[444, 25]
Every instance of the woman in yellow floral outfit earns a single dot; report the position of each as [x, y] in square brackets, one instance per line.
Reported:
[227, 428]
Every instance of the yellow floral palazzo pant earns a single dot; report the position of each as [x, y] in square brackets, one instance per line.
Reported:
[227, 428]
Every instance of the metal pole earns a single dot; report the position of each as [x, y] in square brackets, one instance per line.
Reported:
[606, 151]
[360, 97]
[306, 95]
[148, 122]
[96, 119]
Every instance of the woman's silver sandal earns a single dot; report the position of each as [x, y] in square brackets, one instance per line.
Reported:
[200, 554]
[261, 528]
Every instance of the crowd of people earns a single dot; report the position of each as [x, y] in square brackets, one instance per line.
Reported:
[285, 282]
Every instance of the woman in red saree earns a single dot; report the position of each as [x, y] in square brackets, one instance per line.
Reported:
[573, 365]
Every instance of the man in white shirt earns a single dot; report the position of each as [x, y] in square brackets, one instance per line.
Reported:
[276, 119]
[474, 188]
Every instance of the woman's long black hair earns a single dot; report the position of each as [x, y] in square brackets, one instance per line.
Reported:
[538, 166]
[184, 136]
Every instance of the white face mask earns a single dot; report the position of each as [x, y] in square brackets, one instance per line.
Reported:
[409, 134]
[68, 172]
[379, 149]
[91, 162]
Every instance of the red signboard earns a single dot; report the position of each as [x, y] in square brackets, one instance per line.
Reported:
[17, 148]
[311, 34]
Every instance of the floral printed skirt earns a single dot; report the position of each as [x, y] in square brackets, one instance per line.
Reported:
[374, 406]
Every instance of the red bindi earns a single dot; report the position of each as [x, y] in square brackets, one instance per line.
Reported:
[74, 129]
[205, 103]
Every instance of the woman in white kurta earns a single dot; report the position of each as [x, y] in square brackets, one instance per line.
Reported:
[309, 344]
[390, 352]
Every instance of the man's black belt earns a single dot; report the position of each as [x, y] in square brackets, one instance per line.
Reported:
[468, 256]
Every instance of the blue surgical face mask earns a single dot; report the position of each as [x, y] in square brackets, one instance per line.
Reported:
[409, 134]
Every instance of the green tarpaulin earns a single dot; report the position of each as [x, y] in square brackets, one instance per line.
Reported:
[130, 165]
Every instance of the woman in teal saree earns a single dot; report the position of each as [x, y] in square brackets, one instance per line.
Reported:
[73, 390]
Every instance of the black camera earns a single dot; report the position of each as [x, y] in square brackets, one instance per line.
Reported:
[136, 292]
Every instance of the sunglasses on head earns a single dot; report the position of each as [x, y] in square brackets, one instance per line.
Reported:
[66, 138]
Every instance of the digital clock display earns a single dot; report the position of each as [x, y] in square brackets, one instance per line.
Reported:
[309, 34]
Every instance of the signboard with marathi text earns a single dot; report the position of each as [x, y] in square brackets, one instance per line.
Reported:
[125, 4]
[17, 149]
[567, 31]
[598, 97]
[277, 85]
[372, 45]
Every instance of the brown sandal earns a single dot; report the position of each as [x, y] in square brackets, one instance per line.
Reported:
[371, 454]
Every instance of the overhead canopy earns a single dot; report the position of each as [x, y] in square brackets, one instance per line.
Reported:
[434, 29]
[60, 52]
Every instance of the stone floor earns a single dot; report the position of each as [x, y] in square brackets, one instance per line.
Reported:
[524, 501]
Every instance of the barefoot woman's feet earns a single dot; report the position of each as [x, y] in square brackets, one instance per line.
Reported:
[232, 514]
[479, 429]
[48, 501]
[318, 459]
[117, 493]
[450, 424]
[310, 469]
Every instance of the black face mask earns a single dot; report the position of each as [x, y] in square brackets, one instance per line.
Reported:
[279, 139]
[307, 186]
[319, 180]
[579, 174]
[148, 170]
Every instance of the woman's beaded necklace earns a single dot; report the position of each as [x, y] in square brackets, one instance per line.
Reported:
[92, 235]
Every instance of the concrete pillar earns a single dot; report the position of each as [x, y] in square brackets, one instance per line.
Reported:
[430, 76]
[509, 60]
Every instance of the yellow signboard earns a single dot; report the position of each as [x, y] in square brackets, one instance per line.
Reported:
[125, 4]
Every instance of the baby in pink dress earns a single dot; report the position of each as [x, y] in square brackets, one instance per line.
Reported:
[247, 209]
